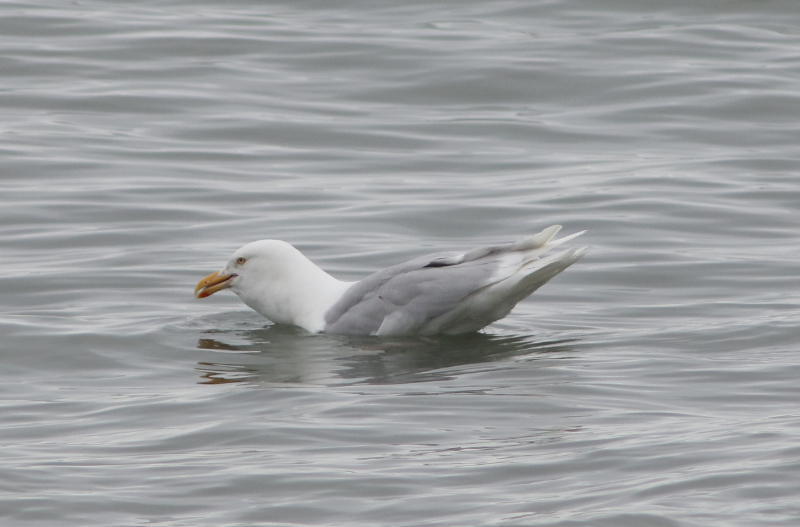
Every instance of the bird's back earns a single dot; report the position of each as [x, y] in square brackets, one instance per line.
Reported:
[449, 292]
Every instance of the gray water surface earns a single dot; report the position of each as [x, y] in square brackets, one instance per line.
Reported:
[654, 383]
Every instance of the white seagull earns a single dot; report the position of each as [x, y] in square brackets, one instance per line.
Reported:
[442, 293]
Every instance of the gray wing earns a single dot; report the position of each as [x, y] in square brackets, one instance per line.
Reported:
[411, 294]
[430, 293]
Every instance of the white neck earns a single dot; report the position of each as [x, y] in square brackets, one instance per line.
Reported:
[288, 288]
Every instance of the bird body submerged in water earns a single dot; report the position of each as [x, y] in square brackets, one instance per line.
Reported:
[442, 293]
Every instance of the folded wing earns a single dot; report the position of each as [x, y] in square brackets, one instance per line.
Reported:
[450, 292]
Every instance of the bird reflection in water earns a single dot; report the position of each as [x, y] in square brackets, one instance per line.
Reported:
[290, 356]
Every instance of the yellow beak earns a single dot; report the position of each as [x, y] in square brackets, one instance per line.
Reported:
[212, 283]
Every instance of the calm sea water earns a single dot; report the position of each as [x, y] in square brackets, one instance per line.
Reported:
[654, 383]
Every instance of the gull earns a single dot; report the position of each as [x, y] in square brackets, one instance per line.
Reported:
[443, 293]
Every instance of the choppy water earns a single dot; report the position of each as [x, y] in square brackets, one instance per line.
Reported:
[655, 383]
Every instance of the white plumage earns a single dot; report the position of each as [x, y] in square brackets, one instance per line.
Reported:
[446, 293]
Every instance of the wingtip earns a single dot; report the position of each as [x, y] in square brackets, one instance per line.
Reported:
[567, 238]
[539, 239]
[552, 230]
[572, 255]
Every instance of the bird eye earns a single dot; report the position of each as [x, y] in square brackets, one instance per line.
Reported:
[240, 261]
